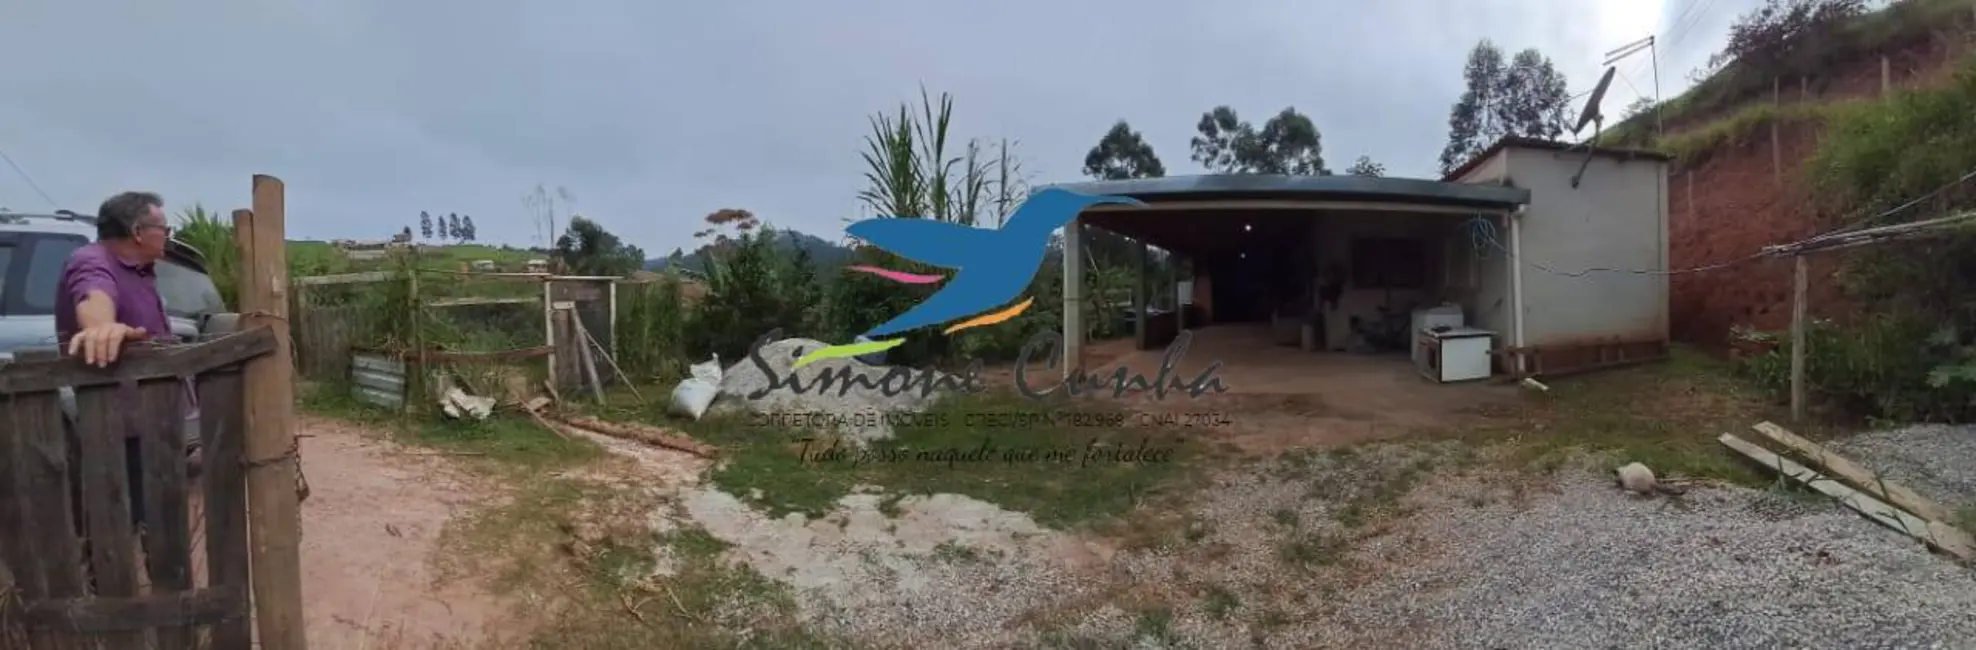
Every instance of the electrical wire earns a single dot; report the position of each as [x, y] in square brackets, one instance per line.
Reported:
[29, 179]
[1683, 30]
[1482, 235]
[1867, 221]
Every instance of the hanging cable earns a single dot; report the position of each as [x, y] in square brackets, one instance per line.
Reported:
[29, 179]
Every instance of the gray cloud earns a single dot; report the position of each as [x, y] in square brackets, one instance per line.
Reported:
[654, 114]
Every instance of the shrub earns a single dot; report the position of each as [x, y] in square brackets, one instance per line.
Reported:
[1912, 358]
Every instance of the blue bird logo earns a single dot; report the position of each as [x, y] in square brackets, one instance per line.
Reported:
[992, 266]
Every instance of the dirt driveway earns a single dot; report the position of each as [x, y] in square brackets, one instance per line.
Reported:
[371, 528]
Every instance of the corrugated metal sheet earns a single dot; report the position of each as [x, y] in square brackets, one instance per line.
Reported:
[378, 380]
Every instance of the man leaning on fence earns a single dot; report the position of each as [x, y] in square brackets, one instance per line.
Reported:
[111, 298]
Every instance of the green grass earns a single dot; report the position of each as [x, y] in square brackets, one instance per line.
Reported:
[514, 443]
[1695, 145]
[1666, 415]
[1060, 493]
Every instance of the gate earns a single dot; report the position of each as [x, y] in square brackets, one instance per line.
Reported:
[75, 570]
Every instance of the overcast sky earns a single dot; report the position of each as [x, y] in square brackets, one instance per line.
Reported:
[653, 114]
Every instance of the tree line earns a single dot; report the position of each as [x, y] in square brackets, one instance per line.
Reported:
[1522, 95]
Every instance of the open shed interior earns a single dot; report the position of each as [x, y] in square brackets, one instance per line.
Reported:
[1349, 279]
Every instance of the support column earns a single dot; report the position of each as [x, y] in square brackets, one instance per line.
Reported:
[1141, 293]
[1073, 296]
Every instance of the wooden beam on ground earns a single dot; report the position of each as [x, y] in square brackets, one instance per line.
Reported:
[1936, 535]
[1853, 473]
[642, 433]
[273, 511]
[1800, 282]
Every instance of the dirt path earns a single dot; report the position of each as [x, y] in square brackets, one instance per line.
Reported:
[370, 529]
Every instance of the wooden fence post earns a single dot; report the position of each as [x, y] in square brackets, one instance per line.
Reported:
[1886, 76]
[268, 403]
[1776, 140]
[1799, 283]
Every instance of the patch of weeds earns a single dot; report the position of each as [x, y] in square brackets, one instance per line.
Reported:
[589, 547]
[1284, 517]
[1266, 623]
[1383, 492]
[513, 443]
[1196, 530]
[889, 506]
[1036, 460]
[954, 552]
[1965, 518]
[1154, 624]
[1219, 602]
[1315, 549]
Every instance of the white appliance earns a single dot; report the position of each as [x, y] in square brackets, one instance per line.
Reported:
[1429, 318]
[1457, 354]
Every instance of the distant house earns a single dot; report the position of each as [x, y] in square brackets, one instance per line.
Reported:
[538, 266]
[485, 266]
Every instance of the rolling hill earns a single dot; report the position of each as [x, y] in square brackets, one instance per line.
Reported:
[824, 253]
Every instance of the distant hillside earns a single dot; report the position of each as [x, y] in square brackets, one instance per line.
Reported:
[823, 253]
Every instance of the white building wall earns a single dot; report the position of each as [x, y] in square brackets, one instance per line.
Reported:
[1616, 218]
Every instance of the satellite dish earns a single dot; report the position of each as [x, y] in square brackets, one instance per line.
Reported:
[1591, 113]
[1592, 116]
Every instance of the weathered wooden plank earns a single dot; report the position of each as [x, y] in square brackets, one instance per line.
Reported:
[1860, 477]
[160, 423]
[102, 428]
[138, 363]
[215, 606]
[1936, 535]
[226, 499]
[15, 524]
[45, 480]
[343, 278]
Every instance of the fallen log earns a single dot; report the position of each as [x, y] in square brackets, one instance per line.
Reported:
[641, 433]
[1935, 534]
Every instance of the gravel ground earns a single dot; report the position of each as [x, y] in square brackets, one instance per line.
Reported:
[1591, 567]
[1937, 460]
[1341, 551]
[1485, 562]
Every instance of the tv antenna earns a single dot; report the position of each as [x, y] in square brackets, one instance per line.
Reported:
[1591, 115]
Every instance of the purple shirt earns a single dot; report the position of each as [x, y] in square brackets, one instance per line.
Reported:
[134, 289]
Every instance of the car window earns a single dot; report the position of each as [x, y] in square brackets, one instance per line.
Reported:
[44, 271]
[187, 292]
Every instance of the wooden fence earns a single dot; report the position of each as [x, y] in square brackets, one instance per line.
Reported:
[75, 569]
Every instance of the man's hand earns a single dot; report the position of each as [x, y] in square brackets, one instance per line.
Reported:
[99, 345]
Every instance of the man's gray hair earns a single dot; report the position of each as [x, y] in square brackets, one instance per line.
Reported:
[118, 217]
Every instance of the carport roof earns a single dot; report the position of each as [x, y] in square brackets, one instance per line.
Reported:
[1223, 187]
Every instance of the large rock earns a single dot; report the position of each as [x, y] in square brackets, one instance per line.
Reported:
[859, 413]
